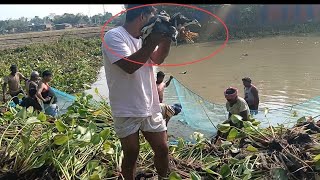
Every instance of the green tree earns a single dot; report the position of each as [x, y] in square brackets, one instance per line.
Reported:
[36, 20]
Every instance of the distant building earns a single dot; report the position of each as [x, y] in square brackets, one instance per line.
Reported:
[13, 30]
[49, 27]
[62, 26]
[81, 25]
[40, 27]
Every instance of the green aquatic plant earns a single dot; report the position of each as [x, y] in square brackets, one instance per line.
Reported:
[81, 144]
[75, 62]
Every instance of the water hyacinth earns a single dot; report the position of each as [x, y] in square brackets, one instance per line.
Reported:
[75, 62]
[82, 144]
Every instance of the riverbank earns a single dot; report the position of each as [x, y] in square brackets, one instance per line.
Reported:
[208, 78]
[74, 62]
[82, 144]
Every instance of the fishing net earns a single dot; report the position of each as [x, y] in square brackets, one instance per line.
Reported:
[64, 100]
[198, 113]
[202, 115]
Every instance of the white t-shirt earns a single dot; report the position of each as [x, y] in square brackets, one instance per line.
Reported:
[131, 95]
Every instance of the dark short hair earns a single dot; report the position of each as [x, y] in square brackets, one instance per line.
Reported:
[13, 66]
[46, 73]
[247, 79]
[160, 74]
[134, 13]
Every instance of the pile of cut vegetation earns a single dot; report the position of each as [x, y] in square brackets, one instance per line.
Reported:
[82, 144]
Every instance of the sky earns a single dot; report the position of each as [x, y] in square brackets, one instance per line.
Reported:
[32, 10]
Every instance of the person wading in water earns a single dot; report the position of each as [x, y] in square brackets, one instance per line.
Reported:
[251, 95]
[13, 80]
[235, 106]
[161, 85]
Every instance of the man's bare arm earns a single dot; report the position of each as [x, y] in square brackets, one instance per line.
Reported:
[4, 91]
[255, 94]
[168, 82]
[244, 115]
[40, 89]
[22, 76]
[141, 56]
[162, 52]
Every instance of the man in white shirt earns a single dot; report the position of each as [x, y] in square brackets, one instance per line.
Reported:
[133, 92]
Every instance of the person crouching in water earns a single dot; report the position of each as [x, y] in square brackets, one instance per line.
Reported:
[33, 82]
[31, 100]
[169, 111]
[235, 106]
[45, 94]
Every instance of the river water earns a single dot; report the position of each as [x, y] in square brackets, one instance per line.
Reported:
[285, 69]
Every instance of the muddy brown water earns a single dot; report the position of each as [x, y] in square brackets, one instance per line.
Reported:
[284, 69]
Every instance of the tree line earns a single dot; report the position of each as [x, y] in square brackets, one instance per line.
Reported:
[21, 24]
[245, 24]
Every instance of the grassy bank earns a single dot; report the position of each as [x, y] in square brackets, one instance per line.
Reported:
[82, 145]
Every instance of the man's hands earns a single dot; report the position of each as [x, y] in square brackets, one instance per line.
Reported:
[154, 39]
[47, 99]
[164, 43]
[146, 52]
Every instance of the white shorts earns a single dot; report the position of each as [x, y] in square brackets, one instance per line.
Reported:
[125, 126]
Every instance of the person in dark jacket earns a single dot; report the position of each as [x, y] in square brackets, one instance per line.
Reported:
[31, 100]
